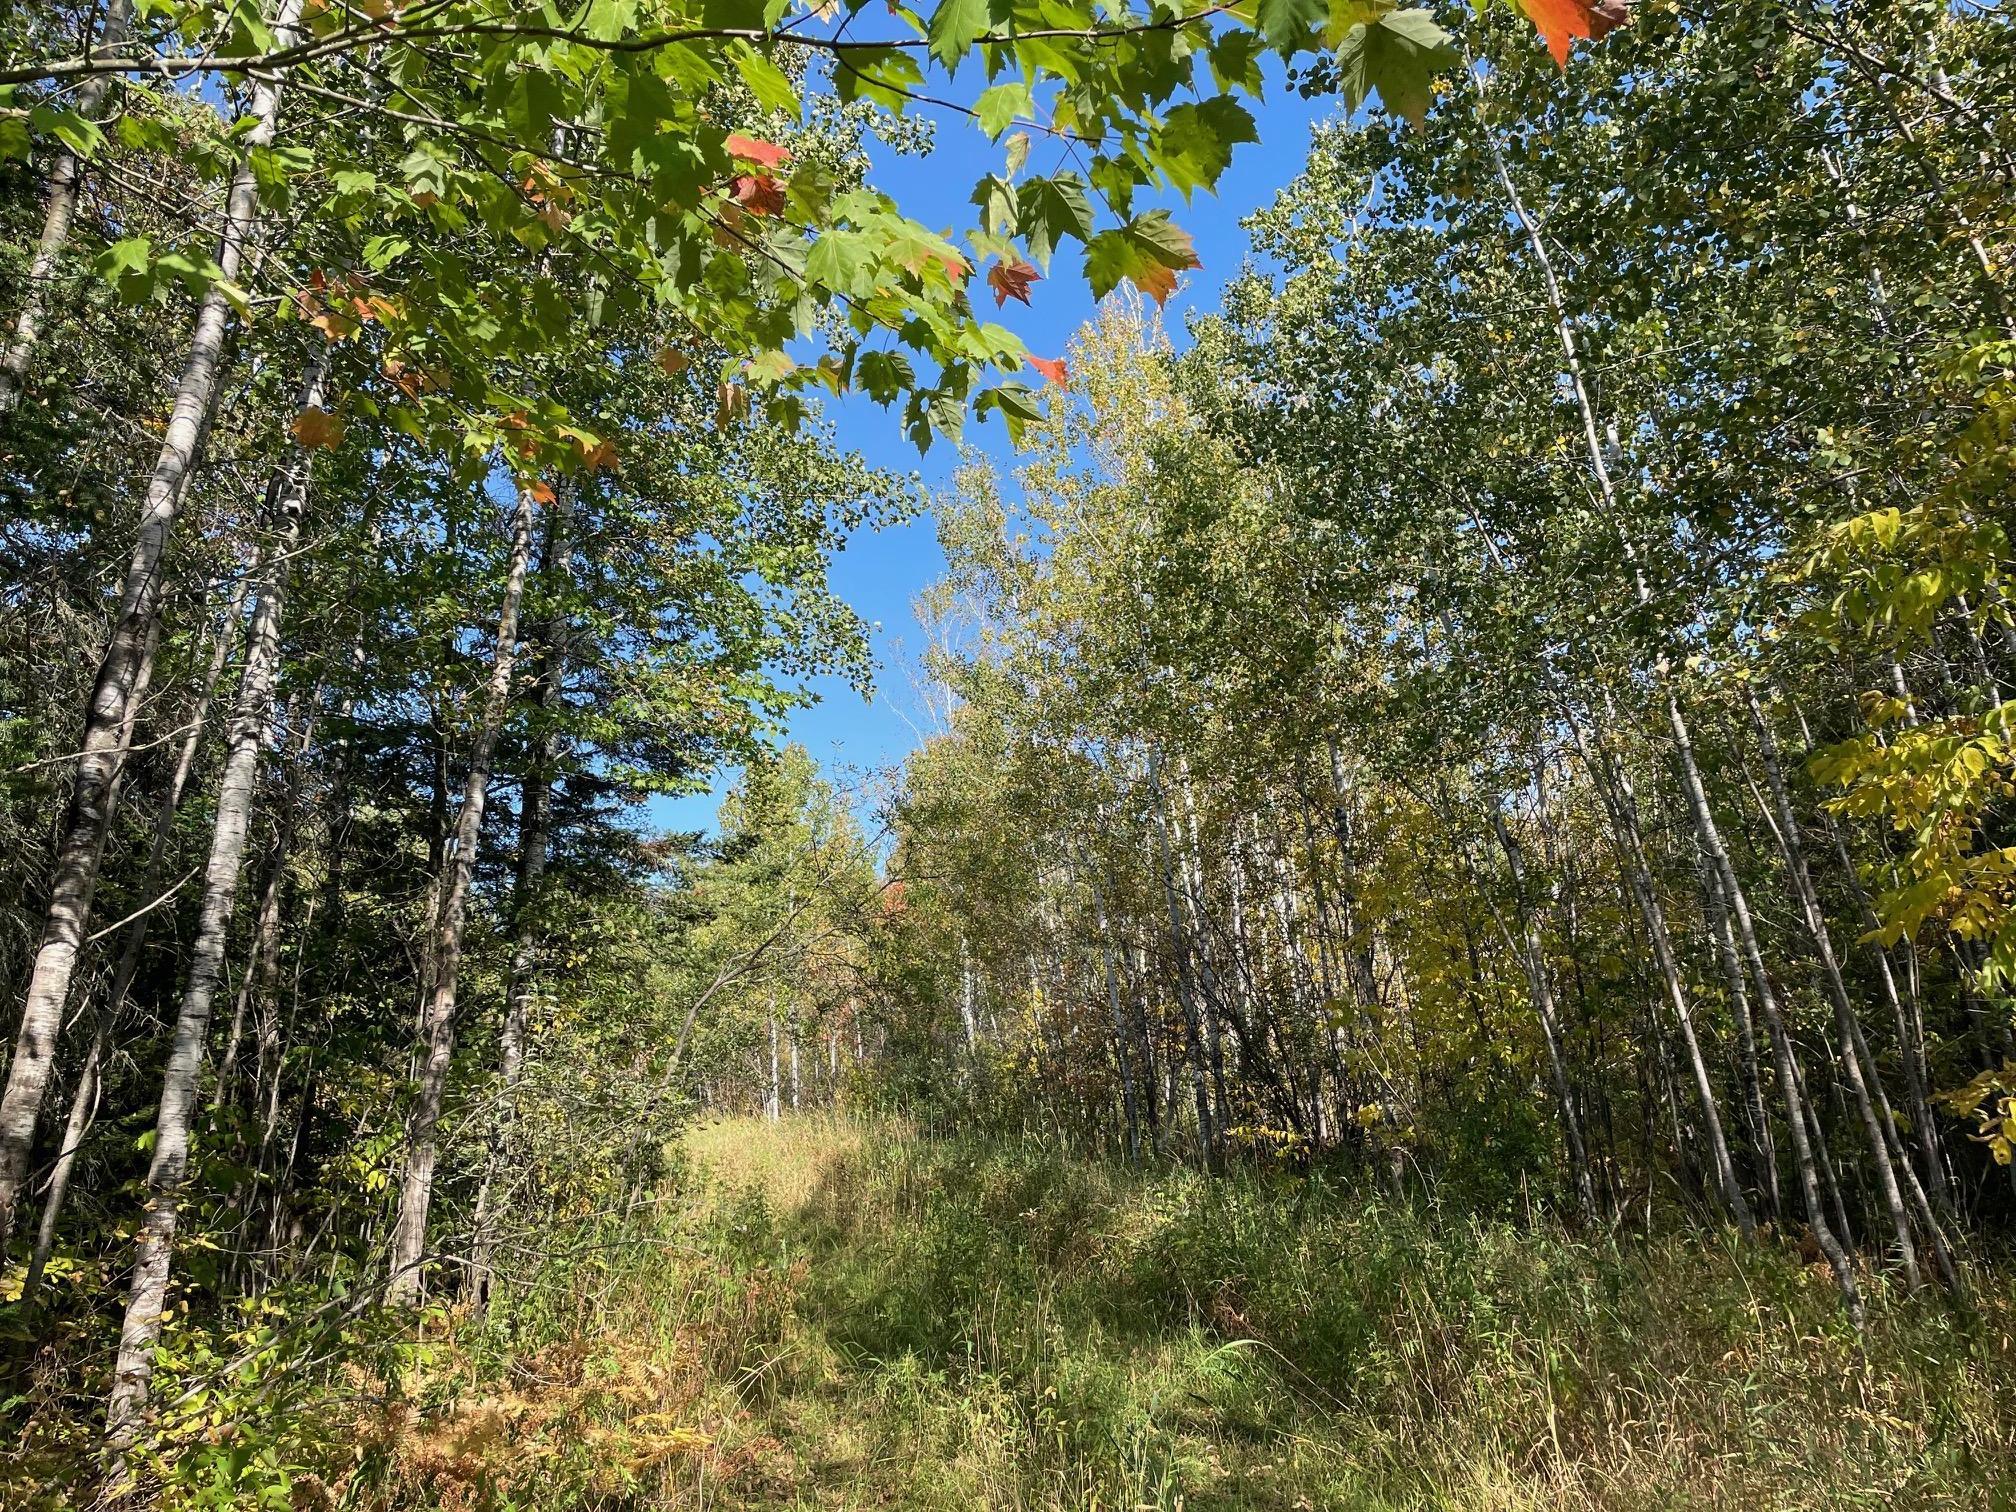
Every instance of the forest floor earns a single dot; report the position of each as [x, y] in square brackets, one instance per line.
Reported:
[840, 1315]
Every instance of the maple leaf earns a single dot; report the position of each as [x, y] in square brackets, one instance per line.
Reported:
[334, 326]
[1148, 252]
[756, 150]
[1158, 283]
[672, 362]
[1011, 280]
[602, 454]
[1562, 21]
[317, 428]
[731, 403]
[541, 492]
[1052, 368]
[760, 194]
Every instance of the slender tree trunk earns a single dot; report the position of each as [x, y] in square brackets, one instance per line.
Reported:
[1746, 1034]
[287, 497]
[409, 1235]
[1599, 467]
[83, 1109]
[132, 942]
[1622, 800]
[84, 1100]
[1893, 1169]
[1129, 1106]
[58, 214]
[74, 878]
[967, 1007]
[1767, 997]
[1186, 992]
[1909, 1026]
[534, 823]
[773, 1101]
[1542, 987]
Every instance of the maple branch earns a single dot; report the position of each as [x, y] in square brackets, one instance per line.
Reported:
[377, 34]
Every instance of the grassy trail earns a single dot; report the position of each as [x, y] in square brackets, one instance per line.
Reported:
[842, 1315]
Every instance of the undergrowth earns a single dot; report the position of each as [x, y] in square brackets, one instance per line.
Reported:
[843, 1315]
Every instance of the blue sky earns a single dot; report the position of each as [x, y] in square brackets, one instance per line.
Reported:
[880, 573]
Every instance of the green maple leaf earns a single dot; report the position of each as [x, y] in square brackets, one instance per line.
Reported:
[1286, 24]
[1148, 251]
[1050, 208]
[1398, 55]
[998, 108]
[955, 26]
[1195, 144]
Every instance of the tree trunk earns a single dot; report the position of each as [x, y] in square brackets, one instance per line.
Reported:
[287, 497]
[1129, 1105]
[1534, 951]
[534, 821]
[74, 877]
[1893, 1168]
[409, 1236]
[57, 216]
[83, 1109]
[1622, 800]
[1186, 992]
[1781, 1043]
[84, 1106]
[1746, 1034]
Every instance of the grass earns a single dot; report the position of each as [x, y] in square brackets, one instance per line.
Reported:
[841, 1315]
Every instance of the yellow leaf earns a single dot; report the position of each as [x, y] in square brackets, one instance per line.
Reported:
[318, 428]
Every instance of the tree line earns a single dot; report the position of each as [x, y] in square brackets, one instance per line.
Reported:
[1520, 703]
[408, 426]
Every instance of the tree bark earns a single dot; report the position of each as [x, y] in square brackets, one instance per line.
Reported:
[1534, 952]
[1893, 1168]
[1622, 800]
[74, 878]
[58, 214]
[409, 1236]
[534, 822]
[1129, 1103]
[1186, 992]
[1781, 1042]
[287, 497]
[83, 1107]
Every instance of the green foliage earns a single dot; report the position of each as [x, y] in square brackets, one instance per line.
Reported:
[846, 1312]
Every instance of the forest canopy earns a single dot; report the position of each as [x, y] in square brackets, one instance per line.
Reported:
[1509, 709]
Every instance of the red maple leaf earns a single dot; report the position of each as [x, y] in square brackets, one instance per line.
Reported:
[756, 150]
[1011, 280]
[760, 194]
[1053, 369]
[1562, 21]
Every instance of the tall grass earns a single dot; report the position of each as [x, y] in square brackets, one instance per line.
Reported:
[838, 1315]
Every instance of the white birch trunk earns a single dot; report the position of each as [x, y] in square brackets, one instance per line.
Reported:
[74, 878]
[132, 1374]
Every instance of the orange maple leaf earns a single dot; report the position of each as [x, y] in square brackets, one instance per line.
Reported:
[756, 150]
[1158, 283]
[1561, 22]
[1052, 368]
